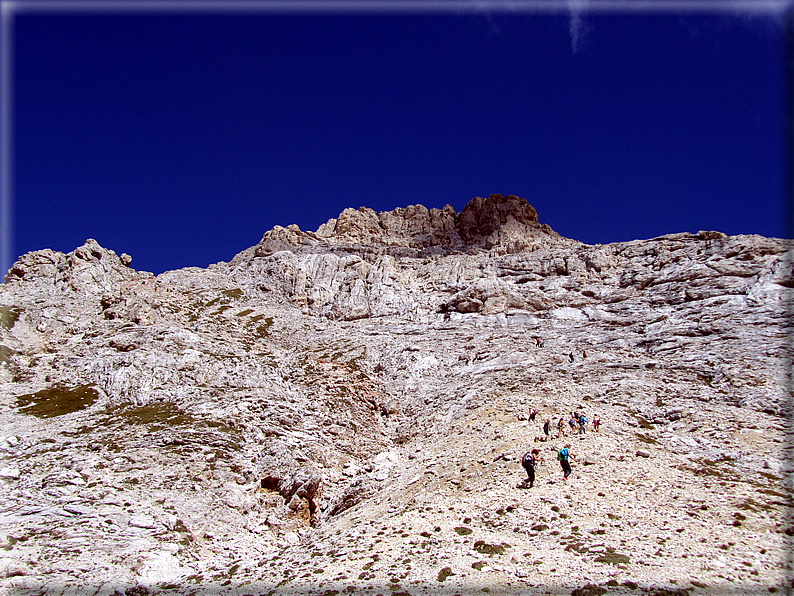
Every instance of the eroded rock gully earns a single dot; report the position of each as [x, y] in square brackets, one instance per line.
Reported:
[344, 411]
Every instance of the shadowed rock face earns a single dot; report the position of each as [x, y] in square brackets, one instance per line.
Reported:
[348, 407]
[482, 218]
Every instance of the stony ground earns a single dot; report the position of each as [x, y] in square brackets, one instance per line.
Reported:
[310, 421]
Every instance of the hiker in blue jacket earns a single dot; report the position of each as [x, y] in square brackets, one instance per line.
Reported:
[563, 455]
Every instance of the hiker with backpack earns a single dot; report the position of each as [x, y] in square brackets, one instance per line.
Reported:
[547, 429]
[529, 461]
[596, 422]
[532, 413]
[582, 423]
[562, 456]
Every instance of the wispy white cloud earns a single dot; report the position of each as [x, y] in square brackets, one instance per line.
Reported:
[576, 25]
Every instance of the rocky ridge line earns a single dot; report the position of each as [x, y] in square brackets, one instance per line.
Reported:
[504, 224]
[346, 411]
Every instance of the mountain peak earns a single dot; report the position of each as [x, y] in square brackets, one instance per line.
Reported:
[330, 404]
[501, 224]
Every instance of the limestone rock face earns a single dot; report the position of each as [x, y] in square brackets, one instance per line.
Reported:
[506, 224]
[349, 407]
[89, 268]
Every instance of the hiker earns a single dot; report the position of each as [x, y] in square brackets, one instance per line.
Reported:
[538, 343]
[584, 354]
[547, 429]
[532, 413]
[596, 422]
[529, 461]
[572, 421]
[562, 456]
[582, 423]
[561, 428]
[571, 356]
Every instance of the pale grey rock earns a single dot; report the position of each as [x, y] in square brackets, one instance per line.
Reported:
[162, 567]
[11, 568]
[363, 389]
[10, 442]
[142, 521]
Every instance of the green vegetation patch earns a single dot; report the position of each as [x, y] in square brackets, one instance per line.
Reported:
[463, 530]
[262, 330]
[589, 590]
[244, 313]
[161, 415]
[5, 353]
[234, 294]
[57, 401]
[9, 315]
[579, 547]
[646, 439]
[613, 559]
[484, 548]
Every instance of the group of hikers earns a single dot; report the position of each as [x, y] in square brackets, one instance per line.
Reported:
[532, 458]
[576, 419]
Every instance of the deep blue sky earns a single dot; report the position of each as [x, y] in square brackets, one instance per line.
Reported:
[181, 139]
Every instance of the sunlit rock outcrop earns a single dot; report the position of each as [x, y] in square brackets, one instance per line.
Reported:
[346, 410]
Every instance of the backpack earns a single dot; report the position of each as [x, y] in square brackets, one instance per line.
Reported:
[528, 460]
[562, 454]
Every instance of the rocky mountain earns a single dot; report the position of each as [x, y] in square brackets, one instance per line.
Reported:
[344, 411]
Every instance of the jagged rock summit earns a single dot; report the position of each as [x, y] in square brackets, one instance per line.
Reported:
[509, 224]
[344, 411]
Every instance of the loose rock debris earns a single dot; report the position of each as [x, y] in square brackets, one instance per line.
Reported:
[346, 411]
